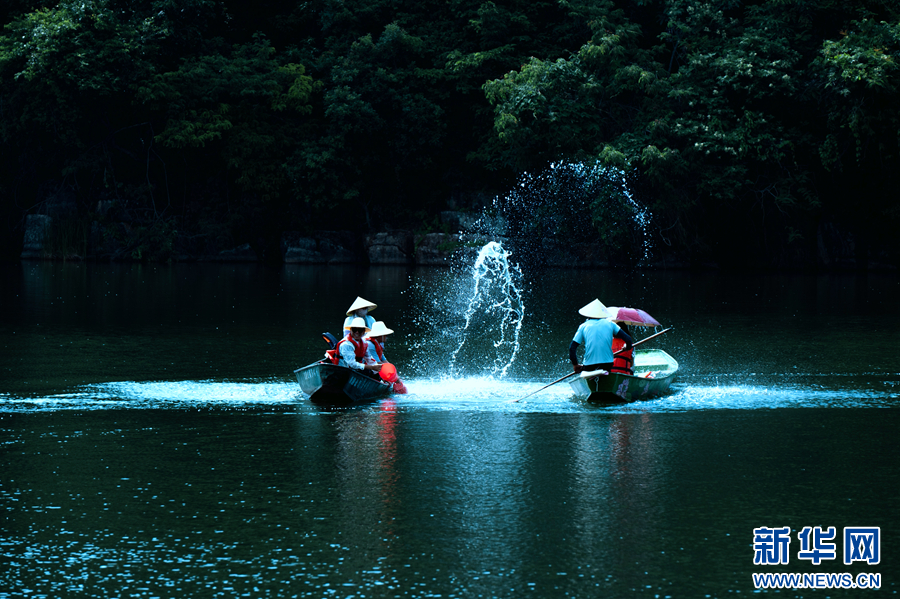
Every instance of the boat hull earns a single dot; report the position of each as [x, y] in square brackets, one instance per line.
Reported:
[599, 386]
[327, 383]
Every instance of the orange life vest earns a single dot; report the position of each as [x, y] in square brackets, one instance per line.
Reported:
[622, 363]
[359, 350]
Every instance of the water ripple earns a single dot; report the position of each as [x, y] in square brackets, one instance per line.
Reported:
[480, 394]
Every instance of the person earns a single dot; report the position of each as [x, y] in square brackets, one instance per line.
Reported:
[353, 348]
[596, 334]
[375, 337]
[388, 373]
[360, 308]
[623, 359]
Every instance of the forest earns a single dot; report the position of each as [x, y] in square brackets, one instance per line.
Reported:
[760, 133]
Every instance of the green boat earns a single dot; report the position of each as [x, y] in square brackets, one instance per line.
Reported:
[329, 384]
[654, 371]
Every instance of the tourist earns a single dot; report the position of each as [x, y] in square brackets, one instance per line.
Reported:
[596, 334]
[623, 359]
[375, 338]
[388, 373]
[353, 348]
[361, 309]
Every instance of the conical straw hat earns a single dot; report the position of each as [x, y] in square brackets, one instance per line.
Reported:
[379, 329]
[361, 303]
[595, 309]
[358, 323]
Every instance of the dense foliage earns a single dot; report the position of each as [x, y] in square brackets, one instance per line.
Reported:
[746, 128]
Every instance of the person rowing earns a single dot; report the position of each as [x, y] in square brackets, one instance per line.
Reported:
[596, 334]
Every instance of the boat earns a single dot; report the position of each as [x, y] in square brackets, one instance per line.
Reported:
[325, 382]
[654, 371]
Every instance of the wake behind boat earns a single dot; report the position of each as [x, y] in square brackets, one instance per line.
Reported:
[654, 372]
[328, 383]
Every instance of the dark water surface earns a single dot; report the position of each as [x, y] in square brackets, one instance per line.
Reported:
[154, 444]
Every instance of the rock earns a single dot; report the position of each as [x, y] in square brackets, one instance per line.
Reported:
[36, 227]
[243, 253]
[393, 247]
[325, 247]
[303, 250]
[436, 249]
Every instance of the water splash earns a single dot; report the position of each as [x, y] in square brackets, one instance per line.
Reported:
[495, 310]
[571, 209]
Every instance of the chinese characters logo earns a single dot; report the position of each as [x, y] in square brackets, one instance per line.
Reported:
[861, 544]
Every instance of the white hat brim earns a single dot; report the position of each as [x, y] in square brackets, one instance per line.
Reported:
[595, 309]
[361, 303]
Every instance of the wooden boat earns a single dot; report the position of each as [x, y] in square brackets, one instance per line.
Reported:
[654, 371]
[326, 383]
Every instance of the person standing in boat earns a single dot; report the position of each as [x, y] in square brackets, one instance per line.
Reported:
[353, 348]
[596, 334]
[360, 309]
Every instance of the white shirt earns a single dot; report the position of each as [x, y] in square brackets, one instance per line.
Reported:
[348, 355]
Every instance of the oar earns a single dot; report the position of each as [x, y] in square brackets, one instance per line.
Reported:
[573, 373]
[544, 387]
[646, 339]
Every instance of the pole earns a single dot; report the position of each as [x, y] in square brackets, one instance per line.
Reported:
[573, 373]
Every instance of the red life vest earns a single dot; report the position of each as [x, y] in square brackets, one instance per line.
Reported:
[359, 350]
[378, 349]
[622, 363]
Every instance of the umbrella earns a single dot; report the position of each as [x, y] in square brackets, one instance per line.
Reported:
[632, 316]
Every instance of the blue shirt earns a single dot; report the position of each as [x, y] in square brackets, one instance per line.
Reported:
[372, 354]
[596, 335]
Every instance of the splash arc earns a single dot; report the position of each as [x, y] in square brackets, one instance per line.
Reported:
[496, 301]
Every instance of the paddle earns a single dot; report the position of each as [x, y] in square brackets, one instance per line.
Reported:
[574, 373]
[544, 387]
[646, 339]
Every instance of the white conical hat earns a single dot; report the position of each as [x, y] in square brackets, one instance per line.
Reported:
[358, 323]
[361, 303]
[595, 309]
[378, 329]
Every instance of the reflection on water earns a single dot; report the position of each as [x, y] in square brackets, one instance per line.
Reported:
[155, 445]
[388, 501]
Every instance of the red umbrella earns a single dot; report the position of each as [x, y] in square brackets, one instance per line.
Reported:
[632, 316]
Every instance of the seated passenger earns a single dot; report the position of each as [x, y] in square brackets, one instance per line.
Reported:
[623, 363]
[353, 348]
[360, 308]
[376, 339]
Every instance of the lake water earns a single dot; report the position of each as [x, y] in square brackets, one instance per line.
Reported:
[154, 443]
